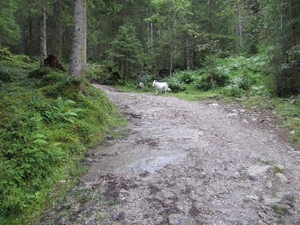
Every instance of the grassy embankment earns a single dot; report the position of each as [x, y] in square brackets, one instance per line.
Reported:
[46, 128]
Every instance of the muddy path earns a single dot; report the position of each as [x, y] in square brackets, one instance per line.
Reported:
[186, 163]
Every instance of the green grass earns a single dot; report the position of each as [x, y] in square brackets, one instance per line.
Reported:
[46, 128]
[280, 210]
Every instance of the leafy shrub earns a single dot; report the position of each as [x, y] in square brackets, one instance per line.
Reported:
[176, 87]
[184, 77]
[46, 76]
[288, 81]
[61, 111]
[5, 54]
[9, 74]
[26, 162]
[24, 58]
[4, 75]
[233, 91]
[258, 90]
[39, 73]
[61, 88]
[208, 82]
[102, 74]
[53, 78]
[237, 73]
[94, 72]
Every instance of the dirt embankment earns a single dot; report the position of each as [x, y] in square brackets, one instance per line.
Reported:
[186, 163]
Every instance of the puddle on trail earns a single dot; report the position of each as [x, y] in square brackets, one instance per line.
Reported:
[143, 151]
[133, 158]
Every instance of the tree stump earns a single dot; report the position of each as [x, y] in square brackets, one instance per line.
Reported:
[52, 61]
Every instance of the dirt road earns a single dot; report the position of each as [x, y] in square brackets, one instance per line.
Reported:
[186, 163]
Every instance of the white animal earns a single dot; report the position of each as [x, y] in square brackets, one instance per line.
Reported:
[160, 86]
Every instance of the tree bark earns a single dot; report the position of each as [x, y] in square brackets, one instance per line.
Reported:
[30, 37]
[57, 40]
[43, 42]
[240, 27]
[78, 54]
[187, 45]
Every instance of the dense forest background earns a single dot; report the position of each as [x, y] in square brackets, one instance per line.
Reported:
[131, 39]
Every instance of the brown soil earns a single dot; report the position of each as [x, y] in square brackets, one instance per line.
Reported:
[185, 163]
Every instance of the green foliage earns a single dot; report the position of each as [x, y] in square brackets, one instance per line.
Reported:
[104, 74]
[279, 19]
[5, 75]
[184, 77]
[17, 65]
[176, 86]
[95, 72]
[61, 111]
[5, 54]
[44, 133]
[245, 75]
[39, 73]
[209, 81]
[127, 50]
[281, 210]
[46, 76]
[27, 162]
[10, 32]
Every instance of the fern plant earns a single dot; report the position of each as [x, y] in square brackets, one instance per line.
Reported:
[62, 111]
[27, 161]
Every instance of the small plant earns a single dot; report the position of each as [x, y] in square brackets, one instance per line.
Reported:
[211, 81]
[278, 169]
[95, 72]
[176, 87]
[184, 77]
[114, 202]
[39, 73]
[281, 210]
[5, 75]
[62, 111]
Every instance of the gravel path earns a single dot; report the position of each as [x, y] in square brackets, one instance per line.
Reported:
[186, 163]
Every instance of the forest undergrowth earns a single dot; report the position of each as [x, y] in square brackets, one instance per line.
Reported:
[46, 127]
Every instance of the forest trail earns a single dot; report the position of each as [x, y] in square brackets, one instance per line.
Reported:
[185, 163]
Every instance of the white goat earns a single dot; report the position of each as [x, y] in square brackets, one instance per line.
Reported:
[161, 86]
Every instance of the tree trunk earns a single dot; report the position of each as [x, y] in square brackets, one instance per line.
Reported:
[78, 54]
[240, 28]
[187, 45]
[30, 37]
[150, 37]
[211, 17]
[57, 40]
[173, 42]
[43, 42]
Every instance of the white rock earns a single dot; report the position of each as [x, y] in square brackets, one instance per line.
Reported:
[232, 115]
[281, 177]
[258, 170]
